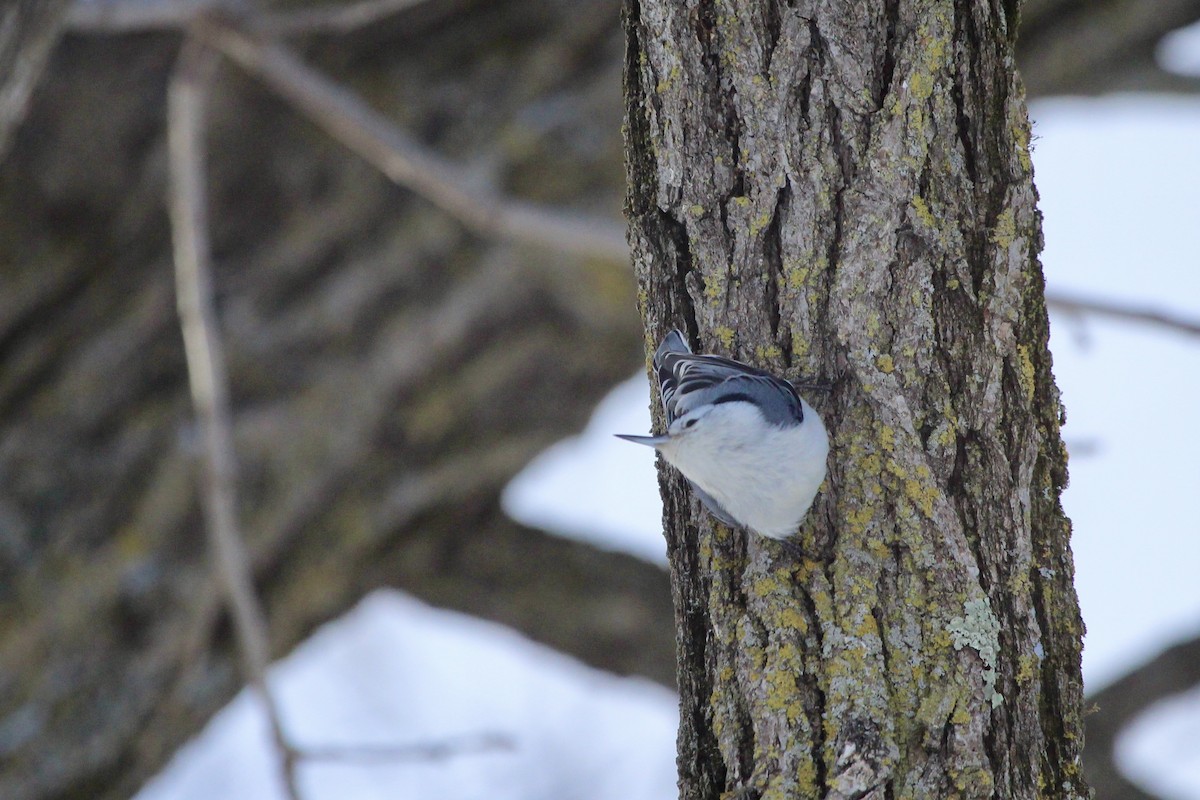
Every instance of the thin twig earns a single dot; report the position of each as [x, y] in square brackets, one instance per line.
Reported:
[350, 120]
[186, 104]
[332, 18]
[1106, 308]
[425, 751]
[129, 16]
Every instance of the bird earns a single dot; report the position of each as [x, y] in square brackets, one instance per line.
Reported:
[752, 448]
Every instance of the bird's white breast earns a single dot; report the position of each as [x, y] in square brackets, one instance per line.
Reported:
[764, 475]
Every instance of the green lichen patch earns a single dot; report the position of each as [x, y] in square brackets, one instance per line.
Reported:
[1005, 230]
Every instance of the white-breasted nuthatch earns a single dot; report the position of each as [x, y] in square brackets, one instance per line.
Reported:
[752, 449]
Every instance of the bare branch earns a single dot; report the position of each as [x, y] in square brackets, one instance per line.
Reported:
[29, 29]
[207, 376]
[1068, 304]
[347, 118]
[128, 16]
[332, 18]
[424, 751]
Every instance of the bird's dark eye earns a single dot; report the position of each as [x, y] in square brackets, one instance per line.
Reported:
[689, 423]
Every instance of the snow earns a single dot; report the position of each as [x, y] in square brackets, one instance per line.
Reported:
[1158, 750]
[1120, 189]
[596, 487]
[394, 671]
[1179, 51]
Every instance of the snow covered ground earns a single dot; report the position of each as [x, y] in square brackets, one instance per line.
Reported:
[394, 671]
[1120, 189]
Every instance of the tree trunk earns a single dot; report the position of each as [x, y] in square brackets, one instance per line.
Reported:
[843, 193]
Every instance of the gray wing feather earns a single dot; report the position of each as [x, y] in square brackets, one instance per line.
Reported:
[714, 508]
[688, 381]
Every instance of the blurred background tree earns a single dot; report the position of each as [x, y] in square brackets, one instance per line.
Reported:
[392, 365]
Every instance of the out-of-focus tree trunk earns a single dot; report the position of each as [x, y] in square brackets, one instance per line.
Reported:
[391, 372]
[844, 192]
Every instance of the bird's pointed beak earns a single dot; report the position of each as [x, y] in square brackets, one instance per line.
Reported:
[649, 441]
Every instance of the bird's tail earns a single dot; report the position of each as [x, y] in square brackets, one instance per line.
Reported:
[673, 342]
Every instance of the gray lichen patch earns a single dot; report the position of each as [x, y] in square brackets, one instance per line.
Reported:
[980, 630]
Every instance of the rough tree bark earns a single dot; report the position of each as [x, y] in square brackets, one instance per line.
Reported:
[843, 191]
